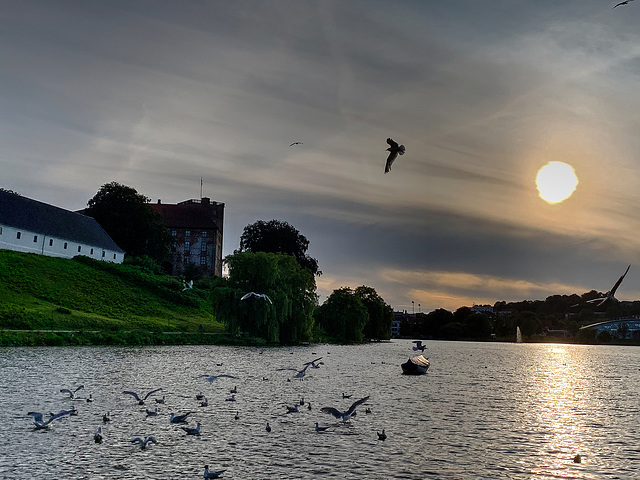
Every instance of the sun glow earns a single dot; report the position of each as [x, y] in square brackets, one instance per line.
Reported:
[556, 182]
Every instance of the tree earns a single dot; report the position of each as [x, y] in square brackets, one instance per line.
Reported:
[380, 314]
[287, 317]
[276, 236]
[129, 220]
[343, 316]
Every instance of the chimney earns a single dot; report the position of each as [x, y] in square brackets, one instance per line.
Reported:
[159, 201]
[205, 200]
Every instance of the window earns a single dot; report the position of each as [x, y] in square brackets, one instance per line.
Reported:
[51, 242]
[114, 256]
[203, 247]
[0, 230]
[203, 260]
[174, 233]
[79, 248]
[92, 251]
[18, 235]
[187, 259]
[65, 245]
[187, 246]
[187, 233]
[204, 234]
[35, 238]
[102, 253]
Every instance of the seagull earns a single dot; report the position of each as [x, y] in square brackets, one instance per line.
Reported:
[200, 396]
[419, 346]
[209, 474]
[97, 437]
[237, 417]
[187, 286]
[234, 390]
[394, 149]
[320, 429]
[72, 394]
[302, 401]
[213, 378]
[367, 411]
[382, 436]
[610, 295]
[204, 402]
[626, 2]
[308, 406]
[293, 409]
[299, 373]
[232, 398]
[346, 415]
[263, 296]
[90, 398]
[344, 395]
[268, 427]
[179, 418]
[143, 442]
[106, 417]
[40, 424]
[191, 430]
[160, 400]
[141, 400]
[152, 413]
[295, 143]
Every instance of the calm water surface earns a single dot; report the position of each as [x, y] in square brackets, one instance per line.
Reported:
[484, 410]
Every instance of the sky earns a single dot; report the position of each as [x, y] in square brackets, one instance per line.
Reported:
[159, 94]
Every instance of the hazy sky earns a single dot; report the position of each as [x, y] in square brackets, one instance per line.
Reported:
[156, 94]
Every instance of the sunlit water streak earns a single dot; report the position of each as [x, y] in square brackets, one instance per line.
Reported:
[484, 410]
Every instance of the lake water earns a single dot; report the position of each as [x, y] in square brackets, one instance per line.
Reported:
[484, 410]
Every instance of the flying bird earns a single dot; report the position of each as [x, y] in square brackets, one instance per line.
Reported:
[263, 296]
[346, 415]
[626, 2]
[419, 346]
[72, 394]
[295, 143]
[212, 474]
[40, 424]
[141, 400]
[394, 149]
[143, 441]
[610, 295]
[213, 378]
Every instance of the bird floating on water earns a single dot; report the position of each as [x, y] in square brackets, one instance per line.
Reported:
[418, 346]
[192, 430]
[106, 417]
[320, 429]
[160, 400]
[234, 390]
[346, 415]
[212, 474]
[152, 413]
[268, 427]
[293, 409]
[344, 395]
[90, 398]
[179, 418]
[143, 441]
[213, 378]
[382, 436]
[394, 149]
[237, 416]
[199, 396]
[232, 398]
[72, 394]
[97, 437]
[141, 400]
[204, 402]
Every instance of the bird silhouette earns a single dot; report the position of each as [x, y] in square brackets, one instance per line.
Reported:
[143, 441]
[192, 430]
[382, 436]
[141, 400]
[72, 394]
[212, 474]
[97, 437]
[295, 143]
[419, 346]
[610, 295]
[394, 149]
[626, 2]
[346, 415]
[179, 418]
[263, 296]
[40, 424]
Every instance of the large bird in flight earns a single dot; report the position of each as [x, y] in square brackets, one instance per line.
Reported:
[626, 2]
[610, 295]
[394, 149]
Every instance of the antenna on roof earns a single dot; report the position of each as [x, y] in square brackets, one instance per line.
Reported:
[200, 188]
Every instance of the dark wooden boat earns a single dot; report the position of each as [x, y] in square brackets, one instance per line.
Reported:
[417, 365]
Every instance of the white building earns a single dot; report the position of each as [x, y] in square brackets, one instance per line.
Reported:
[27, 225]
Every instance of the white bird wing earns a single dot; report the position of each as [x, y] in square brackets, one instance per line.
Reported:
[248, 295]
[355, 405]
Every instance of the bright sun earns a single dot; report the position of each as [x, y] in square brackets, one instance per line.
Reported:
[556, 182]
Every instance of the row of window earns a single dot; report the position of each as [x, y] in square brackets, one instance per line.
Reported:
[187, 259]
[65, 246]
[187, 233]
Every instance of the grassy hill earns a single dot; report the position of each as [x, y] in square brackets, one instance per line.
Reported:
[91, 302]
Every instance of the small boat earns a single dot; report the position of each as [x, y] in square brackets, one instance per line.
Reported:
[417, 365]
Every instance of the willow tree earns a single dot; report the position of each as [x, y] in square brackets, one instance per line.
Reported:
[380, 313]
[286, 316]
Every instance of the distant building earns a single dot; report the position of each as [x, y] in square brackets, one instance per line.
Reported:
[484, 310]
[30, 226]
[630, 326]
[196, 228]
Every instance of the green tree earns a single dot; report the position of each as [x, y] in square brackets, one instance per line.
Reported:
[380, 313]
[287, 317]
[129, 220]
[343, 316]
[276, 236]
